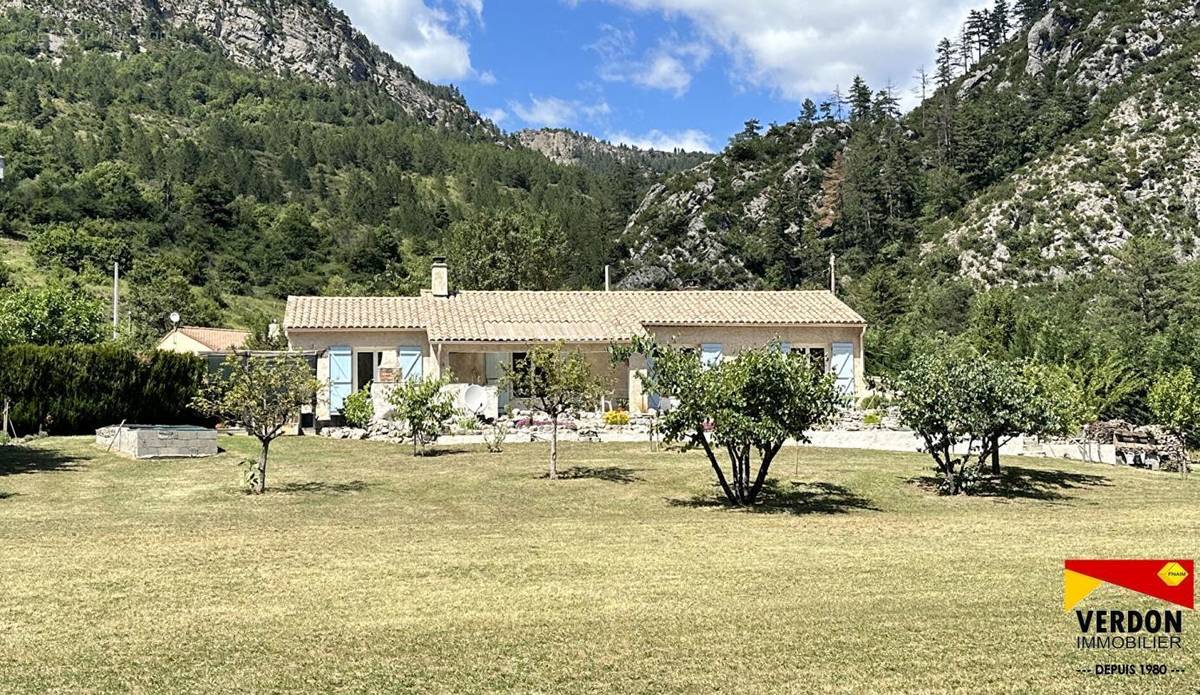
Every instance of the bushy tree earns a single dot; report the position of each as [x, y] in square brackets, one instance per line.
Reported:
[1175, 402]
[516, 249]
[262, 394]
[55, 314]
[556, 381]
[424, 405]
[358, 408]
[962, 399]
[749, 404]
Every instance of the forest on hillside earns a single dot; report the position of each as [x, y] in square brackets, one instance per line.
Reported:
[207, 181]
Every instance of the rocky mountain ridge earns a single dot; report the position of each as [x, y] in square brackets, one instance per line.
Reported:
[570, 147]
[309, 38]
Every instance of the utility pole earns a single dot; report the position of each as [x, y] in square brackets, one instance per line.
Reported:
[116, 297]
[832, 274]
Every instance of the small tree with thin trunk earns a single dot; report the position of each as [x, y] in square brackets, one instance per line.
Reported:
[557, 382]
[751, 404]
[424, 405]
[262, 394]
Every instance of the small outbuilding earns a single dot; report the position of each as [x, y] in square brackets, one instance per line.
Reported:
[199, 340]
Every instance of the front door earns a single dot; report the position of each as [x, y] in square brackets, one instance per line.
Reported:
[493, 371]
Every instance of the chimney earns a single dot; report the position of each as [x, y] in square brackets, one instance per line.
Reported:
[441, 277]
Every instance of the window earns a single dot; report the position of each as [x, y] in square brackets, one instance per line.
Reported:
[368, 368]
[710, 354]
[815, 354]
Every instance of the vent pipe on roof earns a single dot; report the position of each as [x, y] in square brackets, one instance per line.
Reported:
[440, 277]
[607, 287]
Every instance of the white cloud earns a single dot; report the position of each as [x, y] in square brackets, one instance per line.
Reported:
[486, 77]
[669, 66]
[691, 140]
[426, 35]
[801, 48]
[496, 116]
[553, 112]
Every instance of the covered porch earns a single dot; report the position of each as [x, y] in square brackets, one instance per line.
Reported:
[484, 363]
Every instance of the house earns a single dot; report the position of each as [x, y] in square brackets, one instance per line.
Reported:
[476, 335]
[200, 340]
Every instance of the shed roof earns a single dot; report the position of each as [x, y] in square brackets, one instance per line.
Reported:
[472, 316]
[215, 339]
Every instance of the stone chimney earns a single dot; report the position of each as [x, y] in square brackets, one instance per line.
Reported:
[441, 277]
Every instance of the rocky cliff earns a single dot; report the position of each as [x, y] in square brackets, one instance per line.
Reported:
[1036, 162]
[310, 38]
[570, 147]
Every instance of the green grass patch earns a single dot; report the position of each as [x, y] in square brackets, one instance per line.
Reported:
[365, 569]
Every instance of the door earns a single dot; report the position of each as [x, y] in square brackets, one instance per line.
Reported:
[409, 361]
[493, 372]
[341, 377]
[842, 366]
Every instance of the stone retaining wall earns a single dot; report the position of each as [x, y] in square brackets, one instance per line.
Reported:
[158, 441]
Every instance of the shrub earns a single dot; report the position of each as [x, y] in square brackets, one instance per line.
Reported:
[494, 436]
[616, 418]
[424, 406]
[358, 408]
[75, 389]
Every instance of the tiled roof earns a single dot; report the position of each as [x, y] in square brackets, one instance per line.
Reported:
[215, 339]
[354, 312]
[568, 316]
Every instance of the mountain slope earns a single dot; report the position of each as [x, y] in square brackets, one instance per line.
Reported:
[1037, 161]
[564, 146]
[309, 37]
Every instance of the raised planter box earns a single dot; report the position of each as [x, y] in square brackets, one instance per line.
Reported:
[158, 441]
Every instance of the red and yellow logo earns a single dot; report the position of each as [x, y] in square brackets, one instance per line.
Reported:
[1169, 580]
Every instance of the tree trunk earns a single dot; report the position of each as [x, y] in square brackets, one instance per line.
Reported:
[763, 467]
[554, 448]
[995, 454]
[716, 466]
[260, 485]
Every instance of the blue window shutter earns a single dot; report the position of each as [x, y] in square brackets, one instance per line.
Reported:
[410, 362]
[341, 381]
[785, 347]
[710, 354]
[842, 366]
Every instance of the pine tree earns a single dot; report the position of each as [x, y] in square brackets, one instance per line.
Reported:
[808, 111]
[945, 64]
[860, 100]
[1000, 22]
[1030, 11]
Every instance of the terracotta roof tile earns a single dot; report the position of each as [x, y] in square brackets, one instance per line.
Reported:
[216, 339]
[569, 316]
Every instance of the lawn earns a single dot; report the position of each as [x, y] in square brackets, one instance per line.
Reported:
[365, 569]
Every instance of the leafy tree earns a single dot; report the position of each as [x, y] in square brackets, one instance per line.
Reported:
[1175, 402]
[56, 314]
[750, 404]
[960, 399]
[262, 394]
[517, 249]
[424, 405]
[358, 408]
[557, 381]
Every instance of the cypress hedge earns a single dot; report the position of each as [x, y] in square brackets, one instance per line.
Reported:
[75, 389]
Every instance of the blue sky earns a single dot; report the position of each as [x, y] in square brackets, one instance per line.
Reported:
[660, 73]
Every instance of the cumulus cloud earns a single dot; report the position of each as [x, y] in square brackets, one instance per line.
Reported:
[429, 36]
[668, 66]
[496, 116]
[553, 112]
[803, 48]
[691, 140]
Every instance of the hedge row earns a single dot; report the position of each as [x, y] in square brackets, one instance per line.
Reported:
[78, 388]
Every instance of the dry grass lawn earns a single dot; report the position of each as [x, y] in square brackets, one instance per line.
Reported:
[364, 569]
